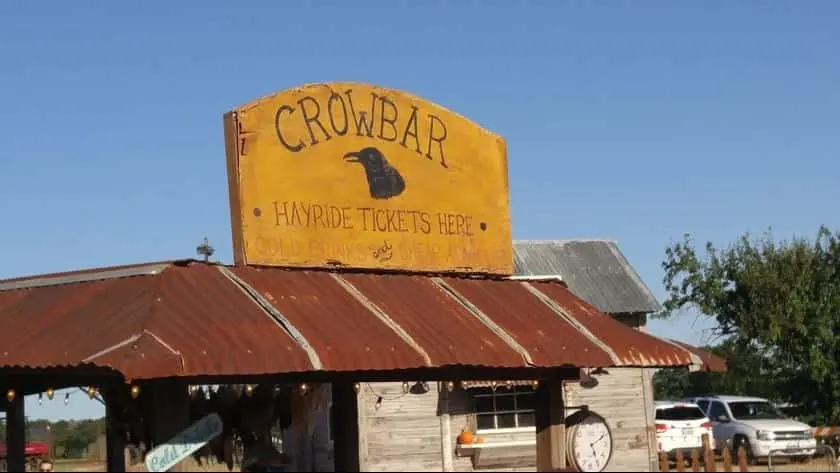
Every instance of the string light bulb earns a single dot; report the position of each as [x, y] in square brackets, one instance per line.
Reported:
[405, 387]
[91, 392]
[378, 403]
[50, 393]
[450, 386]
[135, 391]
[535, 384]
[249, 389]
[40, 398]
[304, 388]
[509, 384]
[10, 395]
[357, 387]
[67, 399]
[493, 385]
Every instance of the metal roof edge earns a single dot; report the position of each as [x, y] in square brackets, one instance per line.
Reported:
[696, 361]
[564, 241]
[151, 269]
[524, 277]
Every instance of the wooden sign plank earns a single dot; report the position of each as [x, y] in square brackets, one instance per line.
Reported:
[358, 176]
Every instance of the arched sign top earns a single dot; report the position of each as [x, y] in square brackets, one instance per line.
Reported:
[346, 174]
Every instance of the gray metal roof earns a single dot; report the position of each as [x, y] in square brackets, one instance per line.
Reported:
[594, 270]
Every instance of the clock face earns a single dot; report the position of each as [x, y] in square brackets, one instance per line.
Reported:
[592, 444]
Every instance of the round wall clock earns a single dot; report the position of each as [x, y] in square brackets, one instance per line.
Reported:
[589, 442]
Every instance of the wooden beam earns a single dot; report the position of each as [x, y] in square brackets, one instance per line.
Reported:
[551, 427]
[345, 405]
[171, 403]
[16, 435]
[115, 438]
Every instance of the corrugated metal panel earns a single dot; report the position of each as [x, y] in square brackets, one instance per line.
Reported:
[595, 270]
[448, 332]
[343, 332]
[632, 347]
[198, 319]
[217, 328]
[550, 340]
[208, 322]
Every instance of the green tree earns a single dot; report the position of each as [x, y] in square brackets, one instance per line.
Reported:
[777, 305]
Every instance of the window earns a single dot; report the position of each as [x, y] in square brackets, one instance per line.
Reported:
[504, 408]
[679, 413]
[704, 405]
[754, 410]
[716, 410]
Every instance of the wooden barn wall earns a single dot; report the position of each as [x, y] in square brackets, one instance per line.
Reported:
[404, 433]
[622, 398]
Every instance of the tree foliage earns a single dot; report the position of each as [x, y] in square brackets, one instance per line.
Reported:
[777, 306]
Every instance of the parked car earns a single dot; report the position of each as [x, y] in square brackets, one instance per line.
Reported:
[758, 426]
[681, 426]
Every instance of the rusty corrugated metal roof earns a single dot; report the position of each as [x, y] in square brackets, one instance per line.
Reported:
[549, 339]
[192, 319]
[628, 347]
[185, 320]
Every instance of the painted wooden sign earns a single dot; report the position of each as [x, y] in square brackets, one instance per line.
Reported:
[188, 441]
[358, 176]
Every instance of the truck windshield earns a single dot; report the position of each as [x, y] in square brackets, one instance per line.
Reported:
[754, 410]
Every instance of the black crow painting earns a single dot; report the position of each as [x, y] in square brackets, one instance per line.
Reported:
[384, 181]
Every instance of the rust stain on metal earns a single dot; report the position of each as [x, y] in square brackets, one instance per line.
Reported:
[450, 334]
[549, 339]
[213, 325]
[344, 333]
[633, 347]
[191, 320]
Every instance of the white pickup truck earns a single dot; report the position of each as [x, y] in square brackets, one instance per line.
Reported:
[758, 426]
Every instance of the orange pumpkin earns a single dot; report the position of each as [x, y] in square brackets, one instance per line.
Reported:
[465, 437]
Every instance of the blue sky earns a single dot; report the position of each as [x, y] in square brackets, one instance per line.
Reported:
[636, 121]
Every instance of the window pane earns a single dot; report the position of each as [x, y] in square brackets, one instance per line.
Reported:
[527, 419]
[506, 421]
[484, 422]
[504, 403]
[484, 404]
[525, 402]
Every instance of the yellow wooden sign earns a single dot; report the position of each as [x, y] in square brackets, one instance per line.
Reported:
[359, 176]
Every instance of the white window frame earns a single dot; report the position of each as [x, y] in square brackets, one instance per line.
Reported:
[503, 392]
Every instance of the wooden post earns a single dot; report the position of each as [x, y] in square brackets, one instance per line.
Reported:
[742, 459]
[708, 454]
[663, 462]
[727, 459]
[345, 404]
[171, 414]
[115, 440]
[445, 429]
[695, 460]
[16, 435]
[551, 427]
[680, 460]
